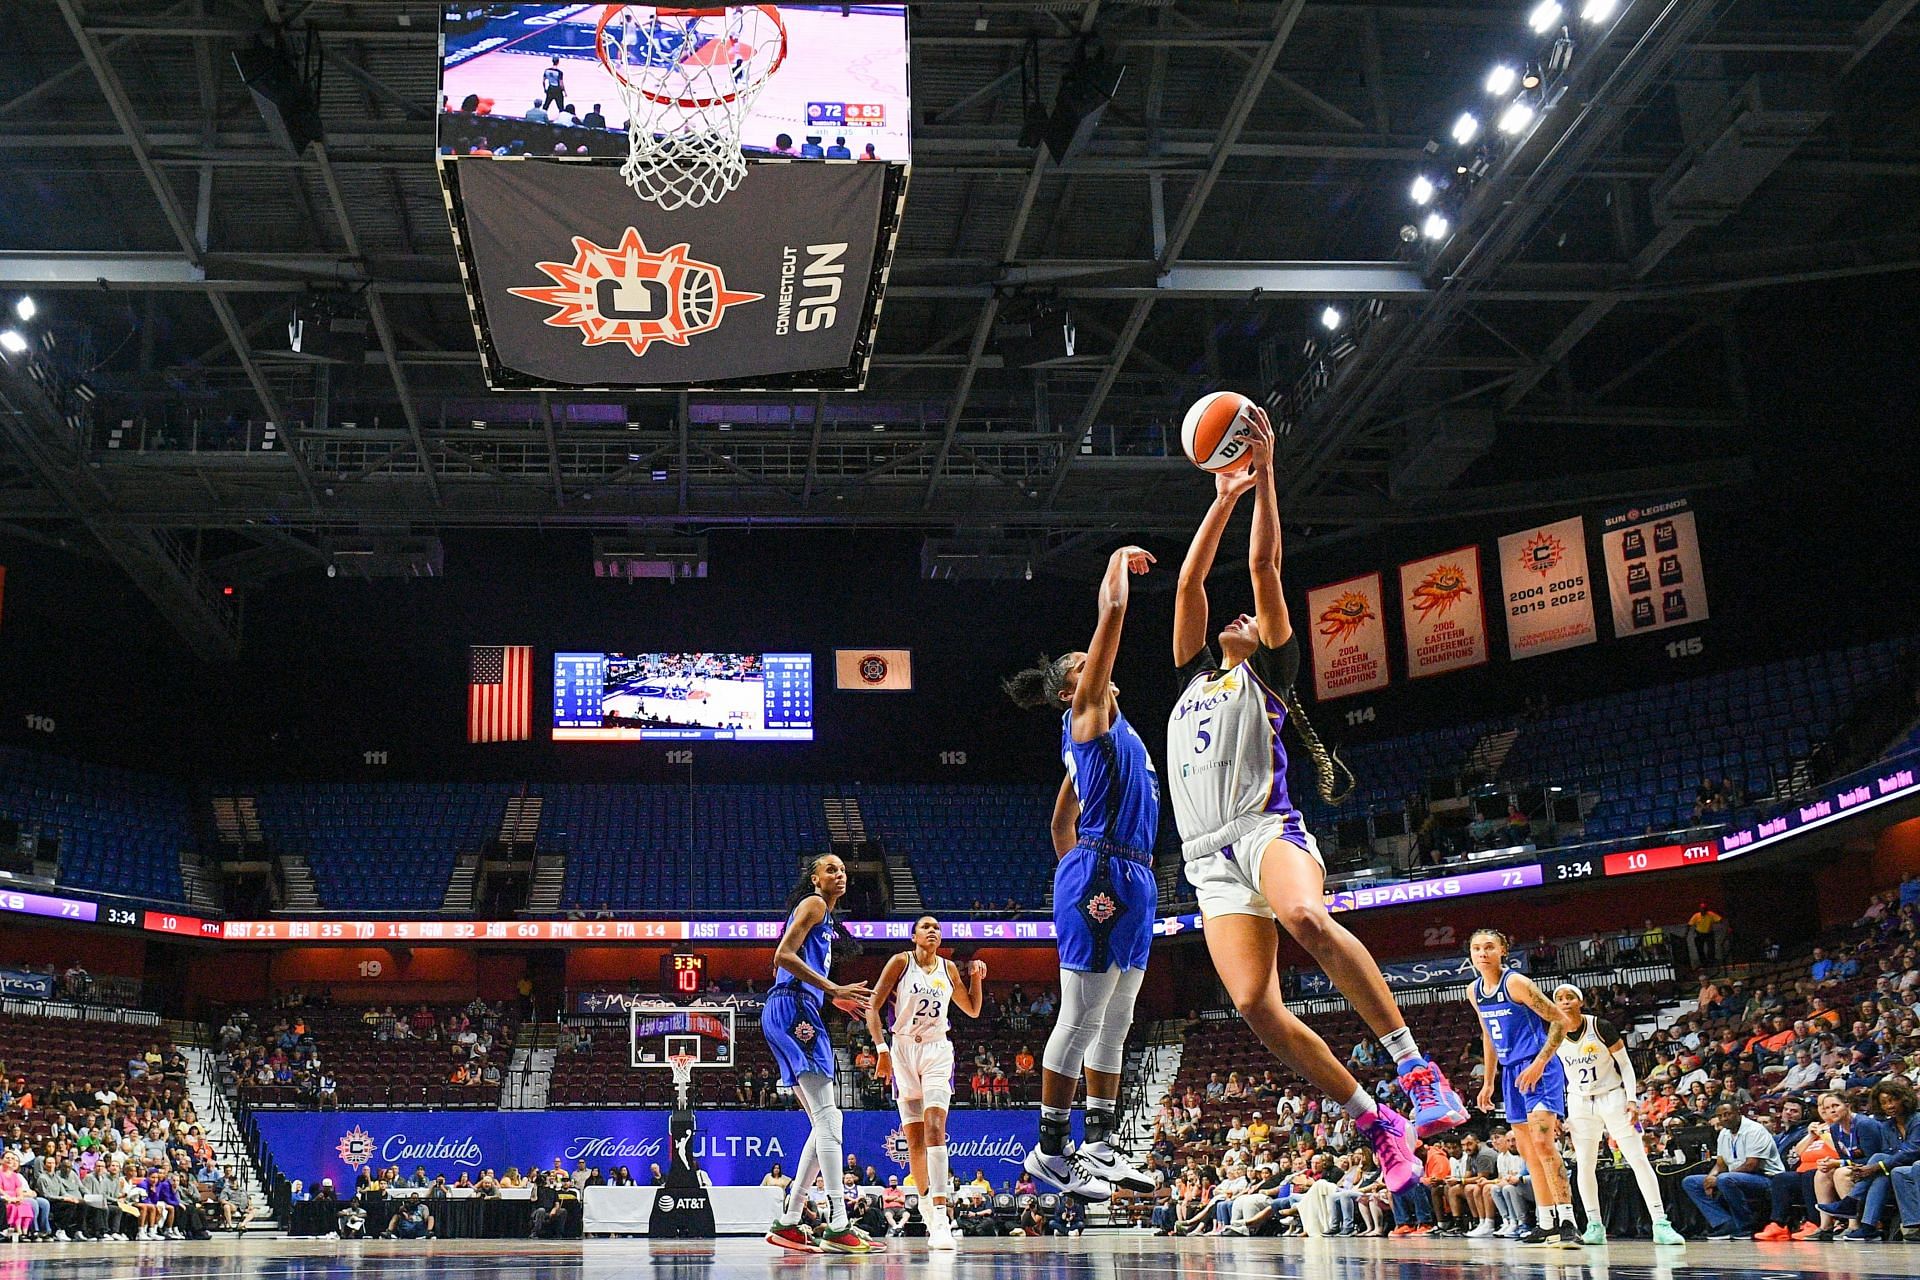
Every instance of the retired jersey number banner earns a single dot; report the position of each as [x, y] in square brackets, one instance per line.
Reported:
[1549, 596]
[1440, 604]
[1349, 637]
[576, 282]
[1652, 553]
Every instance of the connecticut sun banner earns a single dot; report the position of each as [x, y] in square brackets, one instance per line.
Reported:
[1349, 637]
[1443, 609]
[1652, 554]
[1549, 595]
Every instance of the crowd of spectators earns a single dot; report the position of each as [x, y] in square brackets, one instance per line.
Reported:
[115, 1161]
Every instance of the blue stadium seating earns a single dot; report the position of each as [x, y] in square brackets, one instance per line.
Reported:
[967, 844]
[1646, 752]
[652, 848]
[119, 831]
[381, 847]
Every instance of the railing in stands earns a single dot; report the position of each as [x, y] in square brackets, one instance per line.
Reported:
[82, 1012]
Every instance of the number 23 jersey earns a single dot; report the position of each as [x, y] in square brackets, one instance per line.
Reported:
[1226, 765]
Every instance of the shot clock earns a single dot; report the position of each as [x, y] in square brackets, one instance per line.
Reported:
[683, 973]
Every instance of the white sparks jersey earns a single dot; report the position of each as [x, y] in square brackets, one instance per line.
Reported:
[921, 1001]
[1226, 767]
[1591, 1070]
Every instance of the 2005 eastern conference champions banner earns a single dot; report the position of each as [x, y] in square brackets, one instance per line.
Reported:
[1349, 637]
[1440, 605]
[735, 1148]
[1548, 592]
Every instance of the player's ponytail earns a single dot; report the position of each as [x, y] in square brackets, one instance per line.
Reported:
[1038, 687]
[1325, 759]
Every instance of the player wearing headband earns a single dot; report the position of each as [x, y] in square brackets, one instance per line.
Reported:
[1601, 1098]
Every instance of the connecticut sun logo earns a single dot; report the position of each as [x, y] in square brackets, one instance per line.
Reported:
[1440, 590]
[356, 1147]
[628, 294]
[803, 1032]
[1344, 617]
[1101, 908]
[897, 1147]
[1542, 553]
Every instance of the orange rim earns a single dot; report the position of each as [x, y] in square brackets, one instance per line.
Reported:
[611, 11]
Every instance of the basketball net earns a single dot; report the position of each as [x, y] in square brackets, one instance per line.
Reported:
[688, 78]
[681, 1064]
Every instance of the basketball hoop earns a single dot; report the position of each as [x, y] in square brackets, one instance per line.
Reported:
[688, 78]
[681, 1064]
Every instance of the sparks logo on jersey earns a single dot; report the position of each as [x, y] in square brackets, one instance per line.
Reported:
[1542, 553]
[1228, 683]
[1101, 908]
[356, 1147]
[803, 1032]
[1440, 590]
[1344, 617]
[628, 294]
[896, 1147]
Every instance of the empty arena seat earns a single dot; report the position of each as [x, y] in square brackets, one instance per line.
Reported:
[968, 843]
[381, 847]
[117, 831]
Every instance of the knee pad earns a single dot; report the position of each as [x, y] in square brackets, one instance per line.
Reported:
[1107, 1053]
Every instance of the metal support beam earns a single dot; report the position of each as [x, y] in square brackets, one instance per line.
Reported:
[553, 450]
[1251, 87]
[377, 313]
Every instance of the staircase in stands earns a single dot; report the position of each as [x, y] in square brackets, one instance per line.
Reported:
[1489, 753]
[529, 1079]
[223, 1131]
[302, 893]
[1159, 1066]
[545, 885]
[463, 886]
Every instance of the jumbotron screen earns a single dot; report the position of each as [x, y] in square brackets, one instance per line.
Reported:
[840, 88]
[631, 697]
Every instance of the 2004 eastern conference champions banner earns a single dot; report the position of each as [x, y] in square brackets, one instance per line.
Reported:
[1349, 637]
[1549, 595]
[1440, 604]
[735, 1148]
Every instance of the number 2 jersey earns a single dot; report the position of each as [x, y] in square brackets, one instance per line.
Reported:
[1226, 765]
[1591, 1070]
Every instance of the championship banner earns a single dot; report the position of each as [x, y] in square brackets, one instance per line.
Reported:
[1549, 597]
[1440, 605]
[734, 1148]
[577, 283]
[873, 670]
[1652, 554]
[1349, 637]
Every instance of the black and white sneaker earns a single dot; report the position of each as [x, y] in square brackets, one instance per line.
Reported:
[1108, 1165]
[1066, 1175]
[1541, 1237]
[1567, 1236]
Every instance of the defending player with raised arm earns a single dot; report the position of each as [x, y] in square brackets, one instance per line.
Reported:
[1520, 1030]
[923, 986]
[796, 1030]
[1602, 1098]
[1246, 847]
[1104, 895]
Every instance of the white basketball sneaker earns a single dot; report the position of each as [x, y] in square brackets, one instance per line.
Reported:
[1065, 1175]
[939, 1228]
[1101, 1160]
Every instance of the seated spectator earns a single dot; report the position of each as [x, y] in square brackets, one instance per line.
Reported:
[1745, 1161]
[413, 1221]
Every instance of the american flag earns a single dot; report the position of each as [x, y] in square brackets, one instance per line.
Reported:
[500, 693]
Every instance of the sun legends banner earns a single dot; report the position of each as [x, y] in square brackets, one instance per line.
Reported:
[1652, 554]
[1349, 637]
[1440, 605]
[1549, 595]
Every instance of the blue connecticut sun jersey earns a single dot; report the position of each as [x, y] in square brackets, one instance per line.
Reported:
[816, 951]
[1518, 1032]
[1115, 780]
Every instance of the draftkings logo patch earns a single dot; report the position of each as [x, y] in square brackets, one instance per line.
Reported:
[1440, 590]
[1542, 553]
[631, 295]
[1344, 617]
[356, 1147]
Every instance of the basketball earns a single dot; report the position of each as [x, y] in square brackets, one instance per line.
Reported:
[1214, 434]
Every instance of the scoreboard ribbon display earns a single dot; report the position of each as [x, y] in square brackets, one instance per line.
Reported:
[576, 283]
